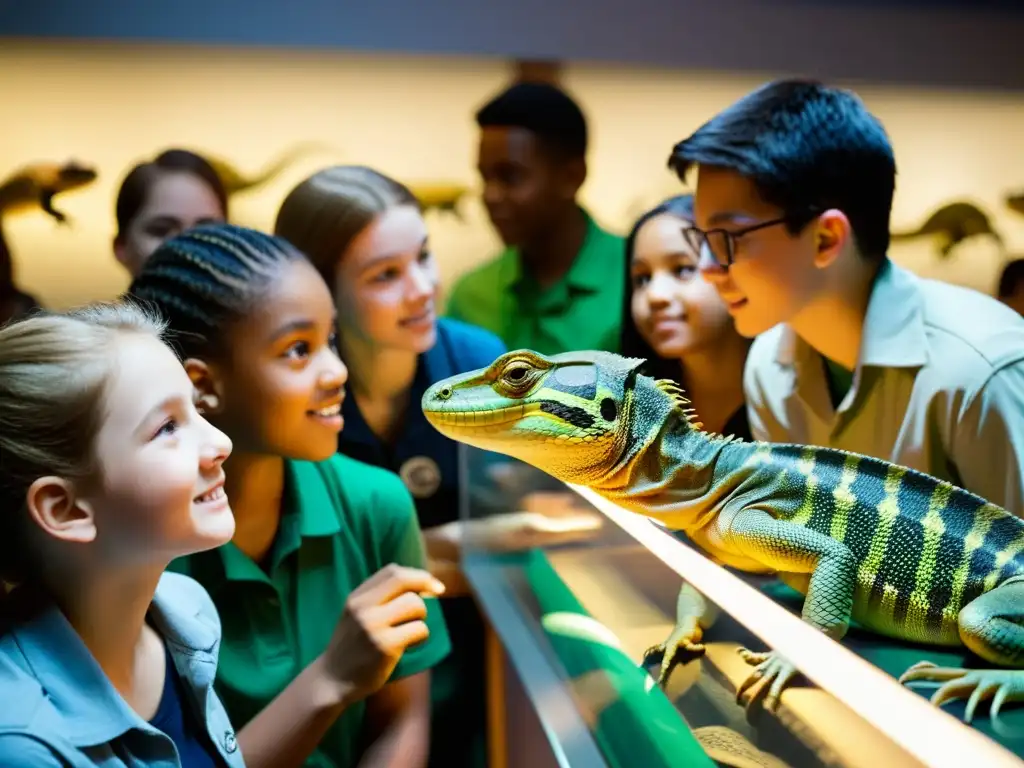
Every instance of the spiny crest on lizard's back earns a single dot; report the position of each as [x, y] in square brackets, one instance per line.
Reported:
[677, 395]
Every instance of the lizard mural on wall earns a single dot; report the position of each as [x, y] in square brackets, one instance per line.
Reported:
[1015, 202]
[440, 196]
[33, 188]
[903, 554]
[950, 225]
[237, 182]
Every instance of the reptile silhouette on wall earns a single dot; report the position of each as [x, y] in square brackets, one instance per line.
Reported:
[1015, 202]
[32, 188]
[440, 196]
[432, 195]
[235, 182]
[951, 224]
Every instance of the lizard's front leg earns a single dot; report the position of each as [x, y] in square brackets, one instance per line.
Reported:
[790, 548]
[694, 614]
[992, 626]
[46, 203]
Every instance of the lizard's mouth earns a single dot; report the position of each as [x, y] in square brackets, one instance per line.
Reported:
[470, 419]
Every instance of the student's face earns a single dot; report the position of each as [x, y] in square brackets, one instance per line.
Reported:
[386, 284]
[279, 390]
[160, 490]
[774, 274]
[525, 189]
[176, 201]
[675, 310]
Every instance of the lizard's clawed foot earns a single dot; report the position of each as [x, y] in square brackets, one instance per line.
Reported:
[1002, 685]
[774, 670]
[682, 642]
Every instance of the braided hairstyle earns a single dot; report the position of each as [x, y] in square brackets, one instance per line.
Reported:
[208, 277]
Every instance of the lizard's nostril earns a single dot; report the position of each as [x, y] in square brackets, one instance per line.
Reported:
[444, 393]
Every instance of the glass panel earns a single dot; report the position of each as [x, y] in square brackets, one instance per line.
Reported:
[588, 588]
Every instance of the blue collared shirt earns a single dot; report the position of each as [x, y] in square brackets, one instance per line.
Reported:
[57, 708]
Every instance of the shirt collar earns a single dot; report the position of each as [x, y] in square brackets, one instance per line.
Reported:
[307, 494]
[306, 510]
[588, 272]
[91, 710]
[894, 329]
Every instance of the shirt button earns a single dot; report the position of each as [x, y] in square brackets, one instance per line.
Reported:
[230, 742]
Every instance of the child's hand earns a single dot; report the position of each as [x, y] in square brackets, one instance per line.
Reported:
[383, 616]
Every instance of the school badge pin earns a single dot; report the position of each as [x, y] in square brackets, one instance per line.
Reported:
[421, 476]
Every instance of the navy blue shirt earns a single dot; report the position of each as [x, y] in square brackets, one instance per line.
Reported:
[427, 462]
[174, 718]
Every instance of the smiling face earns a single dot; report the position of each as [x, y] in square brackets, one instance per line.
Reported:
[774, 273]
[674, 309]
[386, 284]
[279, 389]
[526, 189]
[160, 491]
[175, 201]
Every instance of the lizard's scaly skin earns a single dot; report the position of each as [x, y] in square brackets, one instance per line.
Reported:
[902, 553]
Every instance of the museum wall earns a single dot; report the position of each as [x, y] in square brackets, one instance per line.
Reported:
[110, 106]
[970, 43]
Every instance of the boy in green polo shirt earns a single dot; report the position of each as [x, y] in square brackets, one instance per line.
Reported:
[558, 285]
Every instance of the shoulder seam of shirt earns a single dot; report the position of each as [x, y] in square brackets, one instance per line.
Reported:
[1004, 360]
[975, 392]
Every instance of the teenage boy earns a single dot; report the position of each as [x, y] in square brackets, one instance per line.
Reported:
[558, 284]
[793, 196]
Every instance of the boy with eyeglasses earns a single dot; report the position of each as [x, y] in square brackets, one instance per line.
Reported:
[794, 187]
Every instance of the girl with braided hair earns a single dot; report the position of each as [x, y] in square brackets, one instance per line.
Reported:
[107, 473]
[330, 621]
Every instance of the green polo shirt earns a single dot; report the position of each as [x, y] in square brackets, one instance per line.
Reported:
[583, 310]
[342, 521]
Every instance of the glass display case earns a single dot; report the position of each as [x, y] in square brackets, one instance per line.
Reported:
[575, 590]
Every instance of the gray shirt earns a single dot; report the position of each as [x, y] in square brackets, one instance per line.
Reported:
[938, 387]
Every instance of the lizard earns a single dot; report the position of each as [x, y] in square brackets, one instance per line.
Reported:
[954, 223]
[440, 196]
[1015, 201]
[36, 186]
[904, 554]
[235, 182]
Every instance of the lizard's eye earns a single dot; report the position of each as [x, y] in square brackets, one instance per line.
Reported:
[517, 377]
[516, 373]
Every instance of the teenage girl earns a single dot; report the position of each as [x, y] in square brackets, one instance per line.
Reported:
[366, 236]
[107, 473]
[160, 198]
[330, 626]
[676, 320]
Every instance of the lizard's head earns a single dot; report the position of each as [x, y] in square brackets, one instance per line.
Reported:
[1015, 202]
[565, 414]
[73, 174]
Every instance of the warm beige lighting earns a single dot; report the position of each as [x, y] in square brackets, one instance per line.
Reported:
[412, 117]
[928, 734]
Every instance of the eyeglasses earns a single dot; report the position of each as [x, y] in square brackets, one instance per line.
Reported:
[720, 244]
